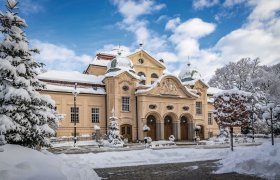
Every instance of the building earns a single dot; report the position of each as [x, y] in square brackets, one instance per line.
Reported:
[140, 91]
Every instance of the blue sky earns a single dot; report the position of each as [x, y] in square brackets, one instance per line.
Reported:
[210, 32]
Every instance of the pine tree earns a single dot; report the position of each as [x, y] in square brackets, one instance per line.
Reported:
[114, 134]
[232, 110]
[26, 117]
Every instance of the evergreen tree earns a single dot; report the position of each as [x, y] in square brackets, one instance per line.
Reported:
[26, 117]
[232, 110]
[114, 133]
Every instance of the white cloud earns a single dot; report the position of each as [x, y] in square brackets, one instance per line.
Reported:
[186, 34]
[230, 3]
[200, 4]
[131, 12]
[167, 57]
[30, 6]
[194, 28]
[60, 57]
[259, 36]
[113, 49]
[161, 18]
[172, 23]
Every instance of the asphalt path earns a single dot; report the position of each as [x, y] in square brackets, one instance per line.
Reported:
[199, 170]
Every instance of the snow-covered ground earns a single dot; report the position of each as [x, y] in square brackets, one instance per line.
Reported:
[16, 161]
[20, 163]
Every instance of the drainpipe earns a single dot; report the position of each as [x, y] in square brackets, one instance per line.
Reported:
[136, 107]
[106, 115]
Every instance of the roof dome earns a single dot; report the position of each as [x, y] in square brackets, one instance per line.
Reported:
[120, 63]
[189, 73]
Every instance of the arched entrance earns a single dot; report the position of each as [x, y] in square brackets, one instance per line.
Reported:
[184, 128]
[151, 123]
[126, 131]
[167, 126]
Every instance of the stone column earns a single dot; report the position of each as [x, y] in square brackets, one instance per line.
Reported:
[160, 131]
[191, 131]
[179, 130]
[176, 130]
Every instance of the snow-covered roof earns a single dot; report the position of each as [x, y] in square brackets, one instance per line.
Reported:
[192, 82]
[213, 90]
[232, 91]
[116, 73]
[71, 76]
[89, 90]
[100, 62]
[189, 73]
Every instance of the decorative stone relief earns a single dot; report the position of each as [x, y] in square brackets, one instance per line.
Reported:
[168, 87]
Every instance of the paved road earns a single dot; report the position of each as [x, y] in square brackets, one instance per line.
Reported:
[180, 171]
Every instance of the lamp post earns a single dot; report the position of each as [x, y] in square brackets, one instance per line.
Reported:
[75, 93]
[253, 130]
[271, 105]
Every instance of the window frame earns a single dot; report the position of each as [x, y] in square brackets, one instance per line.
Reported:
[74, 117]
[198, 109]
[95, 115]
[210, 119]
[125, 104]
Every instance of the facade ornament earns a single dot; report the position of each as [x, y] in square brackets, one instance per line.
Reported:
[169, 87]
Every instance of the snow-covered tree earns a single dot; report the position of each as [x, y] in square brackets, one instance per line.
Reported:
[26, 117]
[114, 133]
[231, 109]
[271, 115]
[236, 75]
[248, 75]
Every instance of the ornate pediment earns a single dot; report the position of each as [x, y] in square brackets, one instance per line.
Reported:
[168, 87]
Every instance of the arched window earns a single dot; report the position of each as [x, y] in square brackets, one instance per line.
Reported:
[141, 74]
[154, 75]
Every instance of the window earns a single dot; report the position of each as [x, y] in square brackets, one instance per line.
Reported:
[141, 61]
[186, 108]
[74, 114]
[154, 75]
[142, 76]
[198, 107]
[125, 88]
[95, 115]
[169, 107]
[210, 134]
[152, 106]
[210, 118]
[125, 104]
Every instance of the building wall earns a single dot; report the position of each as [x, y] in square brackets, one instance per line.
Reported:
[64, 102]
[96, 70]
[115, 92]
[139, 103]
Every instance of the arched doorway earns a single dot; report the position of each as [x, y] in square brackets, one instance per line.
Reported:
[184, 128]
[167, 126]
[151, 123]
[126, 131]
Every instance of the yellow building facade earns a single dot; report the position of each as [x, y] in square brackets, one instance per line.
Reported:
[140, 92]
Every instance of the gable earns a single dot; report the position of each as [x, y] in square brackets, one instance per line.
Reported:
[149, 61]
[168, 86]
